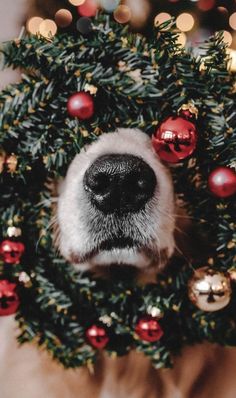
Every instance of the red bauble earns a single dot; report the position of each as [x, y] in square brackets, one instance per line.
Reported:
[81, 105]
[9, 300]
[88, 8]
[148, 329]
[222, 182]
[97, 336]
[11, 252]
[175, 139]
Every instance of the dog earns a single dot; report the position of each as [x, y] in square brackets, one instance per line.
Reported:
[116, 206]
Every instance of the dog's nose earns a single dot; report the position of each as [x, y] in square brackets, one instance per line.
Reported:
[119, 183]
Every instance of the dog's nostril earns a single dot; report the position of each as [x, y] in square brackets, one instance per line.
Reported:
[97, 183]
[119, 183]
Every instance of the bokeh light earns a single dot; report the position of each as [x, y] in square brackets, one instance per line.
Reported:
[76, 2]
[48, 28]
[88, 8]
[205, 5]
[232, 21]
[232, 64]
[139, 12]
[109, 5]
[185, 22]
[122, 14]
[181, 38]
[63, 18]
[227, 37]
[223, 10]
[33, 24]
[84, 25]
[162, 17]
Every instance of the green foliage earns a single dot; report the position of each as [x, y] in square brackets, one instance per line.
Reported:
[139, 82]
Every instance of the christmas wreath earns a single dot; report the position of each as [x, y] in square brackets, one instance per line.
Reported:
[74, 87]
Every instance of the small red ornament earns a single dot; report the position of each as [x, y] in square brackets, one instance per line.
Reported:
[148, 329]
[81, 105]
[9, 300]
[175, 139]
[11, 252]
[97, 336]
[222, 182]
[88, 8]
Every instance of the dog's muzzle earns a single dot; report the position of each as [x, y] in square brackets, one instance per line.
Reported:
[119, 183]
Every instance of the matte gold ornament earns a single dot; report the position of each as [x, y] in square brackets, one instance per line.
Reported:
[209, 289]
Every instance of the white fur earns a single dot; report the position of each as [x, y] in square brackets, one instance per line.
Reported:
[83, 228]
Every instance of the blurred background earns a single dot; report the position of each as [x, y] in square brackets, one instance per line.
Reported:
[196, 19]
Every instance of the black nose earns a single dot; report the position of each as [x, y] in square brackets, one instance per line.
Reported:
[119, 183]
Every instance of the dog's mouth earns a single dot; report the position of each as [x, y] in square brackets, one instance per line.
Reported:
[120, 251]
[118, 243]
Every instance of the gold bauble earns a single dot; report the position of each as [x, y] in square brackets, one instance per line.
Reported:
[209, 289]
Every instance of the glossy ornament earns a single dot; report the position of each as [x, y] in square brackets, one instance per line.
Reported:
[175, 139]
[9, 300]
[11, 252]
[97, 336]
[209, 289]
[222, 182]
[81, 105]
[149, 329]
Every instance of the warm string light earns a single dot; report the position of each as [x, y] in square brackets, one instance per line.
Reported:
[182, 39]
[232, 21]
[76, 2]
[185, 22]
[162, 17]
[227, 37]
[232, 64]
[63, 18]
[122, 14]
[48, 28]
[33, 24]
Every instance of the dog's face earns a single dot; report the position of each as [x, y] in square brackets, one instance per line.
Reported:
[116, 205]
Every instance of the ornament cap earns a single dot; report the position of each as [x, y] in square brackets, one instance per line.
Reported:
[188, 110]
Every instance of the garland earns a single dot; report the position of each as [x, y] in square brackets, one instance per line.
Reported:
[75, 315]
